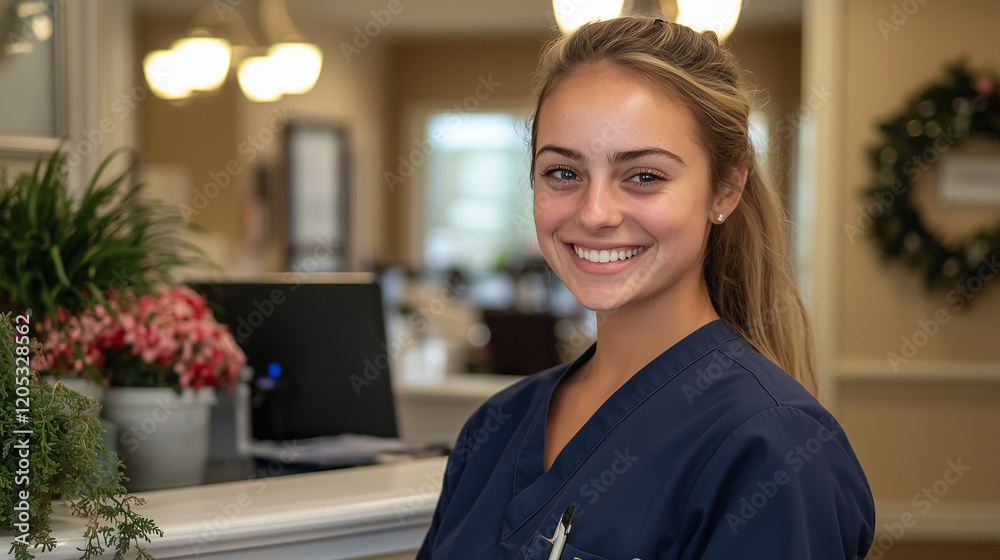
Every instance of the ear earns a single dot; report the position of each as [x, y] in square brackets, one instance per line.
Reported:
[729, 195]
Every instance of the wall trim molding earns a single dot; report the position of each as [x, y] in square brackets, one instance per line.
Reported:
[923, 370]
[967, 522]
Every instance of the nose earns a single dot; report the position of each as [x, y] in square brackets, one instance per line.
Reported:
[600, 205]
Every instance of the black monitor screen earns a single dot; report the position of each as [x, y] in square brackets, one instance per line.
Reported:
[318, 352]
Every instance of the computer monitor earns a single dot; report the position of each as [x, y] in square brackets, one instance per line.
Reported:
[317, 345]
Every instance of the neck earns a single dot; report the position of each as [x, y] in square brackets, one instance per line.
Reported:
[631, 336]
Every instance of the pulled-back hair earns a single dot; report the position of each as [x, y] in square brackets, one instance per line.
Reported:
[747, 262]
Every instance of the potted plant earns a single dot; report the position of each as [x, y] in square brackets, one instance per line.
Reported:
[65, 251]
[163, 355]
[96, 269]
[59, 433]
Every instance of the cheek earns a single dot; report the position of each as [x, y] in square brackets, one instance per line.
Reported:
[548, 210]
[670, 224]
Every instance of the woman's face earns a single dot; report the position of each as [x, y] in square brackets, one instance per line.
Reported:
[623, 201]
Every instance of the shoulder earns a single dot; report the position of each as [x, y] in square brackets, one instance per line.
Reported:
[752, 409]
[775, 457]
[520, 397]
[734, 382]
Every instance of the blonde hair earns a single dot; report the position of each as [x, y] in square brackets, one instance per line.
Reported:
[747, 262]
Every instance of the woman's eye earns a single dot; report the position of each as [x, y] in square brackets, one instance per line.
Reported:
[645, 177]
[562, 174]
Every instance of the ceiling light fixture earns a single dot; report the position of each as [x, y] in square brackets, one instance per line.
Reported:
[710, 15]
[201, 62]
[571, 14]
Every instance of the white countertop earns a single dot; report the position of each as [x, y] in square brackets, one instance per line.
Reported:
[478, 386]
[346, 513]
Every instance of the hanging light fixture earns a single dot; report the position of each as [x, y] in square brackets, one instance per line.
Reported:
[299, 65]
[258, 79]
[288, 68]
[715, 15]
[200, 63]
[197, 63]
[571, 14]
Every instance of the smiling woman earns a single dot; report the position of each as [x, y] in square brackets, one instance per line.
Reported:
[687, 431]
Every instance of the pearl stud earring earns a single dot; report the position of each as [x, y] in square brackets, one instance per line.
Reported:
[720, 218]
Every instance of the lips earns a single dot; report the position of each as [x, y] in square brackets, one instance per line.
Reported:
[606, 255]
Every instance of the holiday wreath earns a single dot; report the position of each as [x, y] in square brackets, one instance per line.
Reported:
[964, 105]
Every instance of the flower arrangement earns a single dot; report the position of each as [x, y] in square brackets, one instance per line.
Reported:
[165, 339]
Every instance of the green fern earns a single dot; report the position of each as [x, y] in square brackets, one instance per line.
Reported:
[65, 448]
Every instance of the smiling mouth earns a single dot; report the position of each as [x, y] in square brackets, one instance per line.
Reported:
[606, 255]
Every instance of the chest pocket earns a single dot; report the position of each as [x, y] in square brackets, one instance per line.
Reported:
[540, 548]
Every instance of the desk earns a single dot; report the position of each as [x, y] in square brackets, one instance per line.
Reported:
[363, 512]
[437, 411]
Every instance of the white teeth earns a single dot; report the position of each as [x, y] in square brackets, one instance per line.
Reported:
[604, 256]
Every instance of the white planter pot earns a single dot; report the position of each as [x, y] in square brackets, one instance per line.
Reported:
[163, 437]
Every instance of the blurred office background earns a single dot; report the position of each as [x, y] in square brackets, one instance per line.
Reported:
[408, 158]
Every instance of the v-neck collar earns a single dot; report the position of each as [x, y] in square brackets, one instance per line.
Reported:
[533, 486]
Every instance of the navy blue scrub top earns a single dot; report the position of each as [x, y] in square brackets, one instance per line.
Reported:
[710, 451]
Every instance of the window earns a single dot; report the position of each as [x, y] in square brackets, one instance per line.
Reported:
[477, 200]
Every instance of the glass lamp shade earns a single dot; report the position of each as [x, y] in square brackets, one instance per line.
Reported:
[259, 79]
[299, 65]
[164, 76]
[715, 15]
[191, 64]
[574, 13]
[205, 61]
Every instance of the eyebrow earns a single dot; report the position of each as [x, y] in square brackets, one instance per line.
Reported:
[615, 158]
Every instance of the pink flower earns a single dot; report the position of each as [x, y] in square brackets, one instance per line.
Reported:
[172, 329]
[983, 85]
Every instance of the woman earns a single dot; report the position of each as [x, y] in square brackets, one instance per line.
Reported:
[687, 431]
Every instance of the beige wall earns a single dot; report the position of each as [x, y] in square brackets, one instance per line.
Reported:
[944, 405]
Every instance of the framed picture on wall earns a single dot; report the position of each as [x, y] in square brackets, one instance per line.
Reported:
[319, 197]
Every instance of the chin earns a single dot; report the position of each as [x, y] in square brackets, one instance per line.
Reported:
[601, 302]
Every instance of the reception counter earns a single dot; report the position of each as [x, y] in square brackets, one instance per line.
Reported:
[380, 511]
